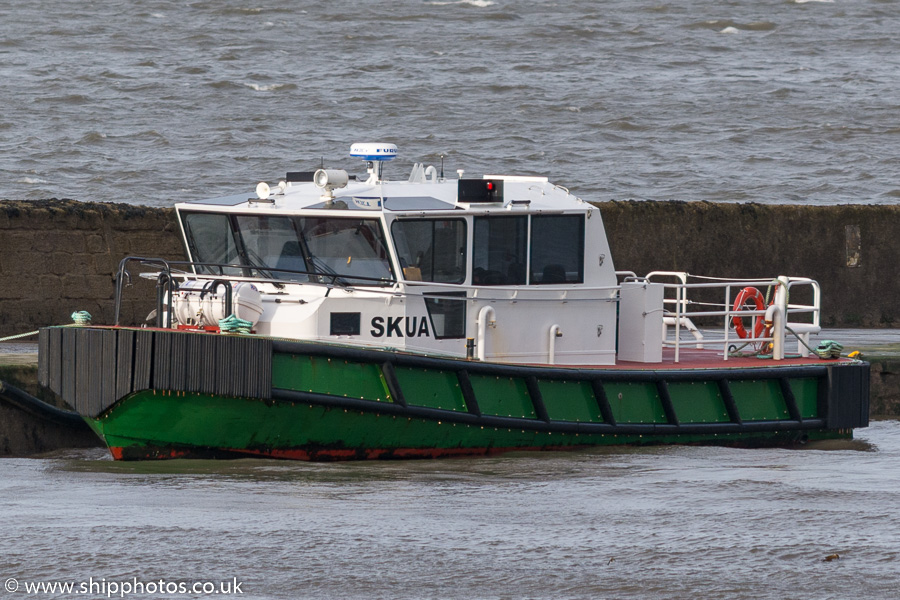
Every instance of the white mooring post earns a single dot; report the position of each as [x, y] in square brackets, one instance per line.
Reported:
[780, 318]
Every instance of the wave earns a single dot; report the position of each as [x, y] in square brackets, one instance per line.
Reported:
[475, 3]
[272, 87]
[729, 26]
[93, 137]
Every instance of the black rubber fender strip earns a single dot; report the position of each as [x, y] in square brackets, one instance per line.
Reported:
[393, 384]
[790, 400]
[662, 388]
[468, 392]
[39, 408]
[537, 399]
[451, 416]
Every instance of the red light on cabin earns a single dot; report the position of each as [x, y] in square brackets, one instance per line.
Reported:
[490, 186]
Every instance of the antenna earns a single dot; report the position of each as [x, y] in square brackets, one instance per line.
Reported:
[442, 166]
[375, 156]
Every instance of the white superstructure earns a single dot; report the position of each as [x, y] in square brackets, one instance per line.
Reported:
[516, 266]
[496, 268]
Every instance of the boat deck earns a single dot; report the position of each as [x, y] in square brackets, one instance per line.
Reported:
[693, 358]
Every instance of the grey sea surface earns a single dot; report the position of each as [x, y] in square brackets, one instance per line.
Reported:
[155, 101]
[655, 522]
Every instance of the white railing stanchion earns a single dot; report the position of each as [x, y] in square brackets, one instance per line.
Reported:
[486, 312]
[678, 292]
[727, 321]
[780, 301]
[554, 333]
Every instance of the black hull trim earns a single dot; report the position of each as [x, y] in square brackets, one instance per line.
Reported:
[450, 416]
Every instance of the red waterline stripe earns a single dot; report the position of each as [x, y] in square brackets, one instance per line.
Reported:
[341, 454]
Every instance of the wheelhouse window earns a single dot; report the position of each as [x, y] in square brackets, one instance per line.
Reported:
[499, 251]
[352, 249]
[557, 249]
[431, 249]
[272, 241]
[321, 249]
[211, 240]
[447, 311]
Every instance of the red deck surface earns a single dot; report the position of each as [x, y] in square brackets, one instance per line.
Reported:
[692, 358]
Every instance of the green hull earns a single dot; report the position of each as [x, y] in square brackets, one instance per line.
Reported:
[163, 394]
[152, 426]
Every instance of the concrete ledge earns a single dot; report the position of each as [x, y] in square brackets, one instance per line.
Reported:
[59, 256]
[851, 250]
[25, 433]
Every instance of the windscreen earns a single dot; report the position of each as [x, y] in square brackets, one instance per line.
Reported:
[293, 248]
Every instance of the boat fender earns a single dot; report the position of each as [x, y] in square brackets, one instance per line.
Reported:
[746, 294]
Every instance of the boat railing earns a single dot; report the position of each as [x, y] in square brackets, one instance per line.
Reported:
[166, 274]
[165, 287]
[775, 313]
[706, 308]
[264, 275]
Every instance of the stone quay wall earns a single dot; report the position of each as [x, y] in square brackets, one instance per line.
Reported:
[59, 256]
[851, 250]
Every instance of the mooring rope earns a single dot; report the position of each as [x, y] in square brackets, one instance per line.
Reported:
[234, 324]
[80, 317]
[829, 349]
[18, 336]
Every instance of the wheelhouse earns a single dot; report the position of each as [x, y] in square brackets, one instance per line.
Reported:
[514, 267]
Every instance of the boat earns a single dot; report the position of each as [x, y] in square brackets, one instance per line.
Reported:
[339, 317]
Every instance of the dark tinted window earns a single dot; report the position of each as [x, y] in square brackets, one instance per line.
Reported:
[211, 240]
[499, 250]
[557, 249]
[321, 249]
[448, 315]
[271, 241]
[431, 250]
[353, 249]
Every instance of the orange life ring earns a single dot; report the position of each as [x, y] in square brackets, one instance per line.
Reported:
[749, 293]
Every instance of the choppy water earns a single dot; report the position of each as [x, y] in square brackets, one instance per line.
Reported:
[666, 522]
[149, 101]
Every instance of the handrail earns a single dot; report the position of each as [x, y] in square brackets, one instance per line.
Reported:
[681, 306]
[334, 277]
[391, 286]
[122, 275]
